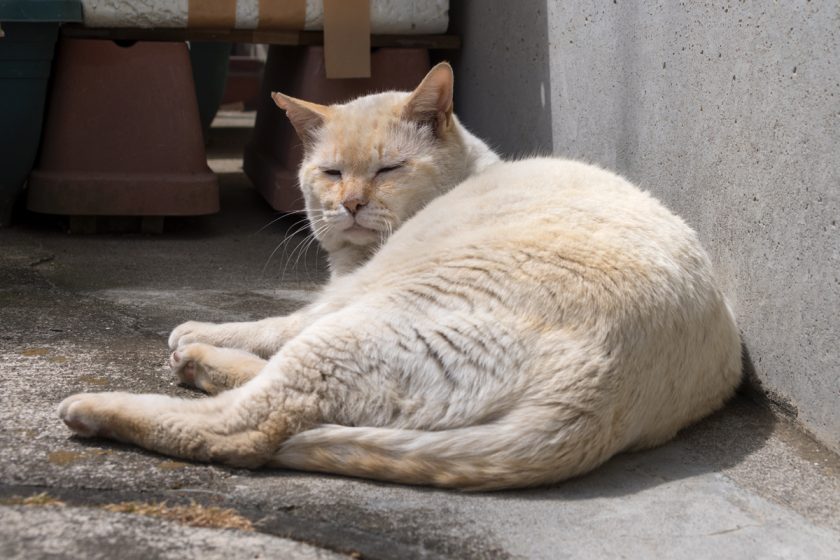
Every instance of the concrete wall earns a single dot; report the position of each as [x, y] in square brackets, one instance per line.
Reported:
[503, 86]
[729, 112]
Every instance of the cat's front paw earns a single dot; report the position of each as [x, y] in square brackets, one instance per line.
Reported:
[186, 364]
[191, 331]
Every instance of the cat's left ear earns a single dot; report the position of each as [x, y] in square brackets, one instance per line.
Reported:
[431, 102]
[306, 117]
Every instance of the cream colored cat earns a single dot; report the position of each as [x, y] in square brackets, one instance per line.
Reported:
[526, 320]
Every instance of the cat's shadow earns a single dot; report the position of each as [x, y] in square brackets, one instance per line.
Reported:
[715, 444]
[719, 442]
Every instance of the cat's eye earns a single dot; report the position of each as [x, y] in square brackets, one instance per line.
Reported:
[388, 168]
[332, 172]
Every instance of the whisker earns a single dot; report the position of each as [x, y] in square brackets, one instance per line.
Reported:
[319, 224]
[309, 213]
[302, 245]
[304, 252]
[288, 237]
[277, 219]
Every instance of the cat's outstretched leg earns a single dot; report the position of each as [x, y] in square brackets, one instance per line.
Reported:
[240, 427]
[243, 426]
[198, 429]
[213, 369]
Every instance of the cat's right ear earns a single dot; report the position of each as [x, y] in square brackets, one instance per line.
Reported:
[306, 117]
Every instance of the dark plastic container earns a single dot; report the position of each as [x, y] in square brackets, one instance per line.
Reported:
[272, 156]
[122, 135]
[30, 29]
[244, 82]
[210, 73]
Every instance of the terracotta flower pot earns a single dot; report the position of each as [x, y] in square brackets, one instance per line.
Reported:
[274, 152]
[122, 135]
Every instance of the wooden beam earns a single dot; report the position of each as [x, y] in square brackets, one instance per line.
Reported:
[291, 38]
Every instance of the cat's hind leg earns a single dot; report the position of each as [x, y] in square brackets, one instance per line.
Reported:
[240, 427]
[243, 426]
[209, 429]
[213, 369]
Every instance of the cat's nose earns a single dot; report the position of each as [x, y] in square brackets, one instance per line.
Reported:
[354, 204]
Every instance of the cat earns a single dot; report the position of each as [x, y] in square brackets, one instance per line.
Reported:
[488, 324]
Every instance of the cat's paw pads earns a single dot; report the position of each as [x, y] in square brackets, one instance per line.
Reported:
[184, 368]
[186, 365]
[191, 331]
[79, 413]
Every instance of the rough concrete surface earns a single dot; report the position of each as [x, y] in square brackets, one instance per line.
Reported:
[503, 87]
[89, 533]
[91, 313]
[727, 111]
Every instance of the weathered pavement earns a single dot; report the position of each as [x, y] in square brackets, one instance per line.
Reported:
[91, 313]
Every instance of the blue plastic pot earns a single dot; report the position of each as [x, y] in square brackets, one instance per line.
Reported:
[30, 29]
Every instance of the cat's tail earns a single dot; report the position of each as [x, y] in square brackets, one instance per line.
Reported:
[482, 457]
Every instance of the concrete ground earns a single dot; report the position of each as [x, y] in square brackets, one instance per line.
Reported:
[91, 313]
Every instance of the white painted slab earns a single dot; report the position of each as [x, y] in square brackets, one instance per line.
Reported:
[387, 17]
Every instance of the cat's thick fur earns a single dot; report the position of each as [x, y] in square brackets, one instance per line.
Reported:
[526, 320]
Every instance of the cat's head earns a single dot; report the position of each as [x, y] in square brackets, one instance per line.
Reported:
[373, 162]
